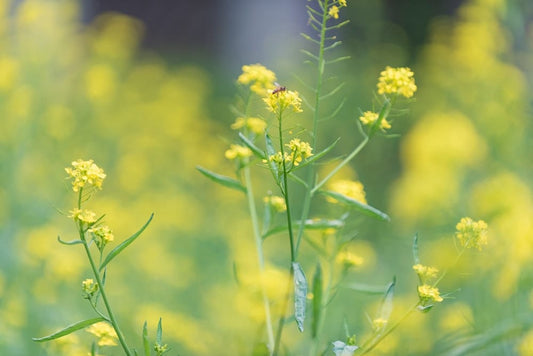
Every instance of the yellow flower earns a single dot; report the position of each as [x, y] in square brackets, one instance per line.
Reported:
[280, 100]
[334, 12]
[258, 77]
[397, 80]
[85, 216]
[349, 188]
[237, 151]
[85, 173]
[105, 332]
[253, 124]
[379, 323]
[102, 235]
[472, 233]
[89, 287]
[348, 259]
[429, 294]
[370, 117]
[278, 203]
[299, 150]
[342, 2]
[425, 272]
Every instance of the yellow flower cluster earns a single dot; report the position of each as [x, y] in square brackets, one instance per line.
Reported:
[258, 77]
[280, 100]
[252, 124]
[84, 216]
[85, 173]
[299, 150]
[102, 235]
[428, 294]
[472, 233]
[105, 332]
[237, 151]
[89, 287]
[348, 259]
[424, 272]
[369, 117]
[276, 202]
[397, 81]
[379, 323]
[334, 12]
[351, 189]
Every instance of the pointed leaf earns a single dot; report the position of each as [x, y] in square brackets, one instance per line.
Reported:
[386, 305]
[270, 152]
[159, 334]
[256, 150]
[366, 288]
[124, 244]
[69, 329]
[146, 342]
[223, 180]
[73, 242]
[317, 300]
[383, 114]
[300, 295]
[415, 250]
[318, 155]
[361, 207]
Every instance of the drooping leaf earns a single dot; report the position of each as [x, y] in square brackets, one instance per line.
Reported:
[146, 342]
[256, 150]
[317, 300]
[310, 224]
[69, 329]
[415, 250]
[366, 288]
[124, 244]
[73, 242]
[300, 295]
[223, 180]
[361, 207]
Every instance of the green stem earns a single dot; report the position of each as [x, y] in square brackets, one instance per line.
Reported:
[284, 308]
[260, 255]
[112, 318]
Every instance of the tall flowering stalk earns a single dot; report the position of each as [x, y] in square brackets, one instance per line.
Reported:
[87, 178]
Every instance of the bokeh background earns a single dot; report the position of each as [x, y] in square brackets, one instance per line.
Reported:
[145, 91]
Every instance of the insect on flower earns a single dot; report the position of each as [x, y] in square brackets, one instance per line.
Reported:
[278, 89]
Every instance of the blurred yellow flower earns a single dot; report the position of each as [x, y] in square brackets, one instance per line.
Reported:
[472, 233]
[379, 323]
[348, 259]
[425, 272]
[334, 12]
[397, 80]
[342, 2]
[237, 151]
[280, 100]
[105, 332]
[89, 287]
[253, 124]
[9, 69]
[351, 189]
[260, 78]
[276, 202]
[85, 173]
[428, 294]
[84, 216]
[102, 235]
[368, 118]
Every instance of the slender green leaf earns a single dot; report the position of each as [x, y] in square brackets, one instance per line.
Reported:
[383, 114]
[309, 54]
[267, 217]
[310, 224]
[366, 288]
[319, 155]
[124, 244]
[386, 305]
[69, 329]
[339, 59]
[146, 342]
[93, 349]
[223, 180]
[333, 91]
[309, 38]
[300, 295]
[73, 242]
[159, 334]
[333, 45]
[270, 152]
[361, 207]
[415, 250]
[256, 150]
[317, 300]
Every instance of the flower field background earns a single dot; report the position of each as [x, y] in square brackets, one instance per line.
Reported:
[70, 90]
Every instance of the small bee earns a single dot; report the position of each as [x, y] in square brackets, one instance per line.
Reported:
[278, 89]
